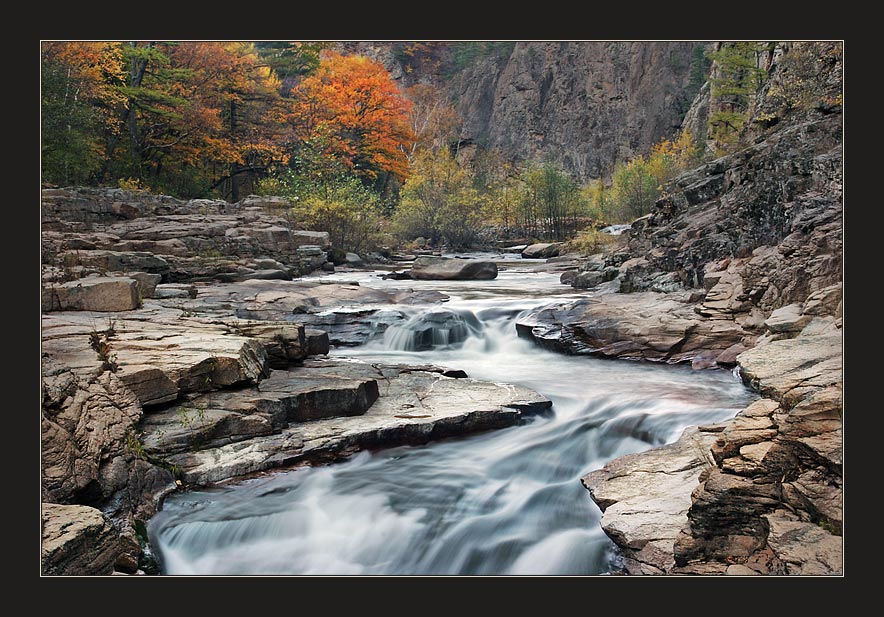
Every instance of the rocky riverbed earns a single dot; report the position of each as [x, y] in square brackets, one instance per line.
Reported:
[164, 368]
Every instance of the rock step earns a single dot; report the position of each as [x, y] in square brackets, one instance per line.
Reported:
[299, 394]
[413, 408]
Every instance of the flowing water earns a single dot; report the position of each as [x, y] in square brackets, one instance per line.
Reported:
[503, 502]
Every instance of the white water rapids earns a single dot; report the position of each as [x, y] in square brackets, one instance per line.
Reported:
[503, 502]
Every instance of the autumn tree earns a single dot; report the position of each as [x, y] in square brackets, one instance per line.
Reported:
[352, 110]
[78, 102]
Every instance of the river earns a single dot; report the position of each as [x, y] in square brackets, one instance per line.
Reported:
[503, 502]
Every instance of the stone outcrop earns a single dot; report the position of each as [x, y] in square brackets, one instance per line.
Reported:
[445, 269]
[101, 231]
[413, 407]
[646, 326]
[77, 540]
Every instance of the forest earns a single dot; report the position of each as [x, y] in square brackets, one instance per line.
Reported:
[356, 155]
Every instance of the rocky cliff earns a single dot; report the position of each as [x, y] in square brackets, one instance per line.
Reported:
[583, 104]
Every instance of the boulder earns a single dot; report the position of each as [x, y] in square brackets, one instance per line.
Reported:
[542, 250]
[77, 541]
[147, 282]
[175, 290]
[787, 319]
[354, 260]
[271, 275]
[445, 269]
[100, 293]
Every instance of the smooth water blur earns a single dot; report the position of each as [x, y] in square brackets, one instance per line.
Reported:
[503, 502]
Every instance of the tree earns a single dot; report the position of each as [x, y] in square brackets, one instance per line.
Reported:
[353, 110]
[434, 122]
[439, 201]
[735, 79]
[550, 205]
[77, 107]
[635, 187]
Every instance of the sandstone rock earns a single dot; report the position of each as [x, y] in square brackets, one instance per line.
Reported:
[175, 290]
[444, 269]
[787, 319]
[806, 549]
[645, 498]
[543, 250]
[790, 369]
[77, 540]
[313, 392]
[105, 294]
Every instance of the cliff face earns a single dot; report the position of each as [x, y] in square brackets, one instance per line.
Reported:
[585, 105]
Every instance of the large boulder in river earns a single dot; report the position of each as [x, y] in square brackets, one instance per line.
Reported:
[445, 269]
[542, 250]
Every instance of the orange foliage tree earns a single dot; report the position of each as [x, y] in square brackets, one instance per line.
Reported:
[352, 111]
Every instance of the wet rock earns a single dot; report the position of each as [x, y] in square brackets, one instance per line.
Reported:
[445, 269]
[645, 325]
[645, 499]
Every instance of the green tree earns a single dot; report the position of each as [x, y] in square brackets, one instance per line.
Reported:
[635, 188]
[735, 79]
[550, 205]
[438, 201]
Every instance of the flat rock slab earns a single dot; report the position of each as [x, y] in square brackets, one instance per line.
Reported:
[649, 326]
[77, 540]
[789, 370]
[645, 498]
[414, 407]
